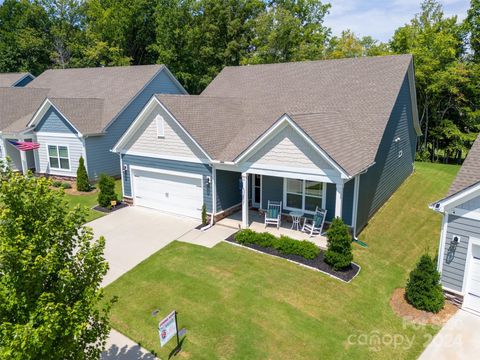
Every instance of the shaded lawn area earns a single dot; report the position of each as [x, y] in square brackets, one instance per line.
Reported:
[89, 200]
[237, 304]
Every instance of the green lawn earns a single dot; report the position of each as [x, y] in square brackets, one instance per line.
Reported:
[90, 200]
[237, 304]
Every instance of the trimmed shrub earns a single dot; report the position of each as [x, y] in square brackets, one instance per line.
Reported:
[423, 290]
[56, 184]
[82, 176]
[339, 245]
[65, 185]
[204, 215]
[106, 184]
[284, 244]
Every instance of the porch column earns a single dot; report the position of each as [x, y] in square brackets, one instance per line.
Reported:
[338, 200]
[244, 200]
[23, 158]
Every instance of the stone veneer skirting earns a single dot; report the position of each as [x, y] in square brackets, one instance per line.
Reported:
[454, 298]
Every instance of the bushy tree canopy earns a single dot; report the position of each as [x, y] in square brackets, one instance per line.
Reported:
[50, 275]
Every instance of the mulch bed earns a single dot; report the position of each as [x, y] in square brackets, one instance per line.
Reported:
[403, 309]
[107, 210]
[318, 263]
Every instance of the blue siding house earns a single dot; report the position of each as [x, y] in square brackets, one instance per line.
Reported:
[338, 135]
[459, 246]
[84, 113]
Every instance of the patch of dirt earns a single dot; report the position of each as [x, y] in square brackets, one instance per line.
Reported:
[403, 309]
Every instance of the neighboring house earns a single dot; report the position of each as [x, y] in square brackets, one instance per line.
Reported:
[15, 79]
[337, 134]
[459, 250]
[83, 113]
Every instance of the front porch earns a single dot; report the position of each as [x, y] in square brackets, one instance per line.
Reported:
[256, 223]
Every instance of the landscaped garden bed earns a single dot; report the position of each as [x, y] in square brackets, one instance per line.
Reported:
[303, 252]
[108, 210]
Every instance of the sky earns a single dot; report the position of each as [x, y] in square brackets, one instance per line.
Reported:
[380, 18]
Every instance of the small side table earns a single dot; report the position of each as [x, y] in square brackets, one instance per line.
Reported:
[296, 216]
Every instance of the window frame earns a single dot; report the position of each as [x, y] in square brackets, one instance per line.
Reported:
[160, 126]
[305, 211]
[57, 146]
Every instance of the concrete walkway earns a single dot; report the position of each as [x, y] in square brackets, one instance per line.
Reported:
[458, 339]
[133, 234]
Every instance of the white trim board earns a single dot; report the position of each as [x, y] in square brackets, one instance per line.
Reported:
[456, 199]
[166, 157]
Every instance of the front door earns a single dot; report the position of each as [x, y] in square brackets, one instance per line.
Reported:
[472, 295]
[256, 191]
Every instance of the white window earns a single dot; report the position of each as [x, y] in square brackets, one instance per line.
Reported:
[304, 195]
[160, 126]
[58, 157]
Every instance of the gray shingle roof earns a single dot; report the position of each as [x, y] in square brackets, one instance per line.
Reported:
[92, 97]
[343, 105]
[9, 79]
[17, 106]
[469, 173]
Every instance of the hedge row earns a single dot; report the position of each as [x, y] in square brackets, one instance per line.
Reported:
[283, 244]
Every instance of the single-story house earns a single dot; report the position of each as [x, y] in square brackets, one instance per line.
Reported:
[77, 112]
[15, 79]
[459, 249]
[335, 134]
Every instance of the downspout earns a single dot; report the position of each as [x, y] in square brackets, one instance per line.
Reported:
[213, 186]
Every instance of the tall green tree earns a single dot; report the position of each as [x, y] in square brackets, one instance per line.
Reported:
[348, 45]
[120, 32]
[51, 273]
[25, 44]
[472, 23]
[67, 21]
[290, 30]
[442, 78]
[196, 39]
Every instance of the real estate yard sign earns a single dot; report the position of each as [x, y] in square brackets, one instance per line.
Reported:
[167, 328]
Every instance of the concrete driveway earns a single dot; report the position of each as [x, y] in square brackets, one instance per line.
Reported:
[133, 234]
[458, 339]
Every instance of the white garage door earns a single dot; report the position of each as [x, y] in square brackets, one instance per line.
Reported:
[472, 295]
[174, 193]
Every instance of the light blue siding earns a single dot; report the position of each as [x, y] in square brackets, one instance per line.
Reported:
[99, 158]
[54, 122]
[24, 81]
[382, 179]
[454, 259]
[229, 191]
[179, 166]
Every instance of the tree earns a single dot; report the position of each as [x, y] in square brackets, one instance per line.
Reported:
[67, 21]
[349, 45]
[339, 245]
[289, 30]
[472, 23]
[24, 41]
[107, 193]
[437, 44]
[423, 290]
[82, 177]
[52, 305]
